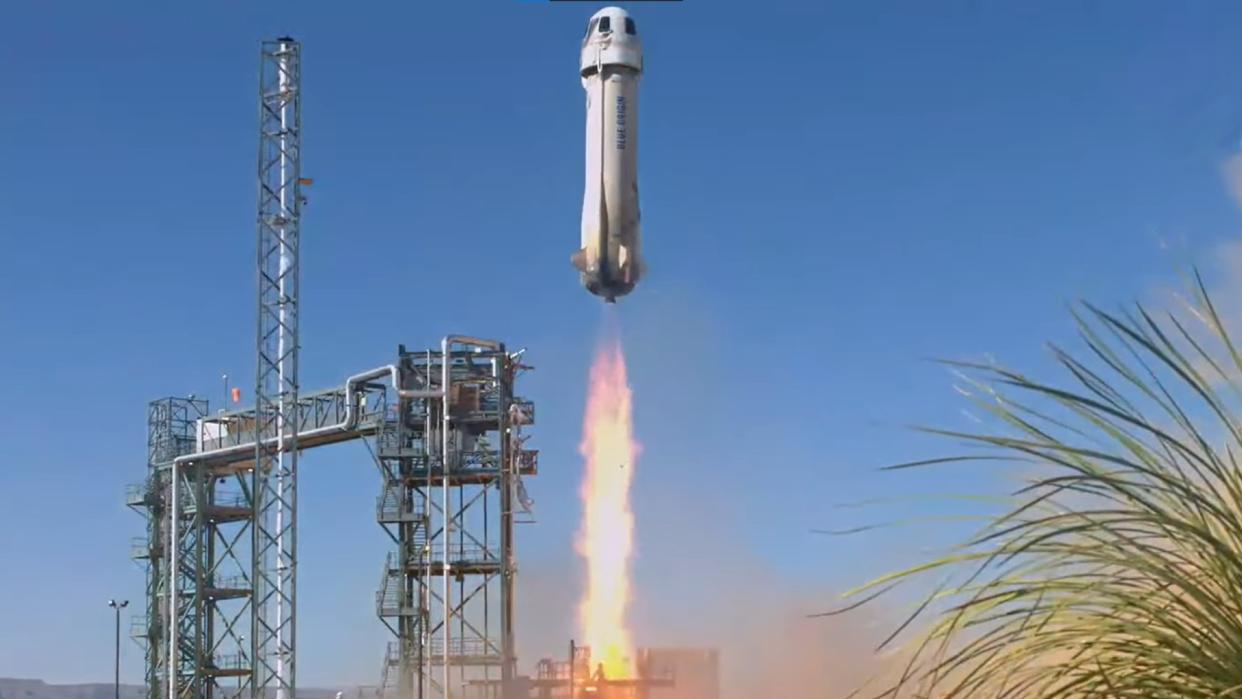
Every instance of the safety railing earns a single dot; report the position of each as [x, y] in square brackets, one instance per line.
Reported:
[230, 661]
[139, 548]
[463, 647]
[230, 499]
[136, 494]
[457, 553]
[229, 584]
[388, 596]
[219, 500]
[315, 410]
[396, 505]
[139, 627]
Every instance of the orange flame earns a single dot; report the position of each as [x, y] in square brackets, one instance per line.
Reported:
[606, 537]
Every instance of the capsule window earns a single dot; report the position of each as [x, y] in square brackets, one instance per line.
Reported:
[629, 26]
[605, 25]
[591, 26]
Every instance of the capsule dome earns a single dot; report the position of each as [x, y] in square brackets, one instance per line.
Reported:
[611, 39]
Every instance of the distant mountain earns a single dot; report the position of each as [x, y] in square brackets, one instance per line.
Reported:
[11, 688]
[38, 689]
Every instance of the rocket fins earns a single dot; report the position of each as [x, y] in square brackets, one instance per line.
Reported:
[579, 260]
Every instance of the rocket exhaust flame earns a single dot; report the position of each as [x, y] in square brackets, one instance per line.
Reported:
[606, 537]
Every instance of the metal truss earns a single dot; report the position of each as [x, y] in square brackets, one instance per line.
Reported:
[171, 425]
[273, 606]
[210, 518]
[221, 491]
[451, 459]
[450, 518]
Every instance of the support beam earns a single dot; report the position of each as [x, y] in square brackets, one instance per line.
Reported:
[454, 461]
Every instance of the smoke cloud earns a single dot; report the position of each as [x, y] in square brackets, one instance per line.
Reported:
[704, 576]
[769, 644]
[760, 622]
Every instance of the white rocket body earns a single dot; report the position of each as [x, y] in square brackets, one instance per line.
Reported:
[611, 63]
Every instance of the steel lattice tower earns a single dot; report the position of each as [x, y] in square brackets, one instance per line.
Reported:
[452, 458]
[221, 490]
[170, 434]
[274, 479]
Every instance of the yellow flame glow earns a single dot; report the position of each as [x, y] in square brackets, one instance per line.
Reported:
[606, 537]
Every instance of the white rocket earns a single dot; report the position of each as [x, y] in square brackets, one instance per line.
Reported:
[610, 64]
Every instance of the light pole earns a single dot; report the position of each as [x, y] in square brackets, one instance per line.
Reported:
[118, 606]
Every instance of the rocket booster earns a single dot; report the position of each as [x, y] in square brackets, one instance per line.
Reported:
[610, 65]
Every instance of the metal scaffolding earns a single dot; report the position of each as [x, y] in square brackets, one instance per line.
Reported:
[451, 466]
[220, 496]
[458, 566]
[171, 425]
[576, 678]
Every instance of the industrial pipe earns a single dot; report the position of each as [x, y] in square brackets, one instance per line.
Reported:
[348, 423]
[445, 379]
[446, 366]
[172, 587]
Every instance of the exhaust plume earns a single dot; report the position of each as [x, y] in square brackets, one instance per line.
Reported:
[606, 537]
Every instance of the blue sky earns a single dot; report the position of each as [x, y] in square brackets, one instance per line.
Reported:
[832, 193]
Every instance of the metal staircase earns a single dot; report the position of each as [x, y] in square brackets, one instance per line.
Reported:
[450, 457]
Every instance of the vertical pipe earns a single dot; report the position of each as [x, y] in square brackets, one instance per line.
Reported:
[155, 573]
[406, 550]
[501, 370]
[201, 684]
[487, 622]
[461, 582]
[446, 589]
[257, 484]
[208, 574]
[117, 664]
[424, 588]
[286, 262]
[172, 587]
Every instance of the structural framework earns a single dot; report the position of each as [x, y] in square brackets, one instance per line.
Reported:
[273, 481]
[576, 678]
[220, 496]
[446, 432]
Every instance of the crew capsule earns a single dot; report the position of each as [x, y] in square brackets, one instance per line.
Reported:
[610, 65]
